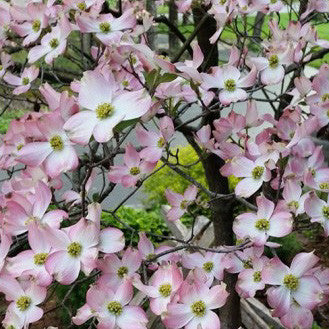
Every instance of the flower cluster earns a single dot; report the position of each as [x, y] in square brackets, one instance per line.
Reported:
[112, 122]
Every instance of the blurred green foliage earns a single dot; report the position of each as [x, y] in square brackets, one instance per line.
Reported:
[290, 246]
[7, 117]
[155, 186]
[139, 220]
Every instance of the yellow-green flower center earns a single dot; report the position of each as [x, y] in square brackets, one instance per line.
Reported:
[199, 308]
[135, 171]
[25, 81]
[325, 97]
[53, 43]
[257, 172]
[114, 308]
[324, 186]
[125, 83]
[165, 290]
[105, 27]
[150, 256]
[122, 271]
[31, 219]
[74, 249]
[40, 259]
[274, 1]
[23, 303]
[36, 25]
[325, 211]
[104, 111]
[230, 85]
[161, 142]
[208, 266]
[1, 67]
[19, 146]
[247, 263]
[262, 224]
[82, 6]
[184, 204]
[291, 282]
[56, 143]
[273, 61]
[257, 276]
[293, 205]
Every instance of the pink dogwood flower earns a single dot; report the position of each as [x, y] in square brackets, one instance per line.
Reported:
[32, 262]
[110, 307]
[162, 287]
[116, 270]
[23, 82]
[271, 67]
[155, 142]
[195, 306]
[228, 80]
[107, 28]
[294, 285]
[179, 202]
[20, 215]
[253, 172]
[297, 317]
[37, 20]
[318, 210]
[24, 300]
[293, 200]
[5, 244]
[104, 110]
[250, 280]
[52, 44]
[5, 62]
[133, 170]
[74, 249]
[147, 251]
[57, 153]
[211, 264]
[267, 222]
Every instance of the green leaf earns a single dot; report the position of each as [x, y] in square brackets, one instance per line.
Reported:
[124, 124]
[167, 77]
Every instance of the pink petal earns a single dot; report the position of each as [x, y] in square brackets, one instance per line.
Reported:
[124, 293]
[140, 99]
[61, 161]
[131, 157]
[132, 317]
[265, 207]
[64, 268]
[33, 154]
[103, 130]
[303, 262]
[274, 272]
[111, 240]
[178, 316]
[247, 187]
[309, 292]
[80, 126]
[272, 76]
[42, 199]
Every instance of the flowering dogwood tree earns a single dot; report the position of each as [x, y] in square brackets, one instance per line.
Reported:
[94, 80]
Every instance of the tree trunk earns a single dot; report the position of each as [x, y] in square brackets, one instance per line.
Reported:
[173, 18]
[210, 51]
[259, 21]
[151, 36]
[222, 210]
